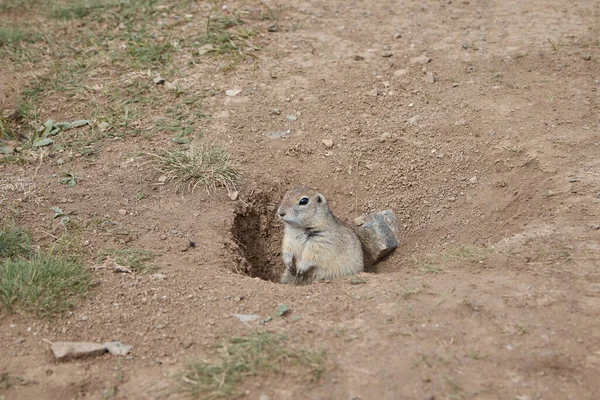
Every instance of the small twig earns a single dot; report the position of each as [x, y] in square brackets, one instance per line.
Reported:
[47, 341]
[95, 267]
[120, 268]
[39, 164]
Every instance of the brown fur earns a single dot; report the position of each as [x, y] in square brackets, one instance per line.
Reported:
[316, 244]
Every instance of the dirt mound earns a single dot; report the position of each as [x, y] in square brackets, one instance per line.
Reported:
[475, 122]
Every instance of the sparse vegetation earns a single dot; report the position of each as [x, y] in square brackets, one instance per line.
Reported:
[256, 355]
[37, 282]
[14, 243]
[208, 167]
[431, 264]
[134, 259]
[12, 34]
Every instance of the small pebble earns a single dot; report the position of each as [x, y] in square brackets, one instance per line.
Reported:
[328, 143]
[233, 92]
[384, 136]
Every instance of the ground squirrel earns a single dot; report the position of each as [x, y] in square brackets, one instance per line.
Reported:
[316, 244]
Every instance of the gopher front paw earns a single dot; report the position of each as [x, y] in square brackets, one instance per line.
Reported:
[305, 266]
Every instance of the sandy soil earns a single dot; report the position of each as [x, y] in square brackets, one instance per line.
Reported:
[477, 122]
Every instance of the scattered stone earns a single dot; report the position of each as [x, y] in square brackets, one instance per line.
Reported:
[278, 134]
[595, 227]
[117, 348]
[473, 180]
[412, 120]
[358, 58]
[379, 235]
[372, 93]
[282, 310]
[460, 122]
[291, 117]
[384, 136]
[233, 92]
[422, 59]
[328, 143]
[207, 48]
[123, 212]
[470, 69]
[401, 72]
[264, 397]
[587, 57]
[429, 78]
[19, 340]
[276, 111]
[159, 80]
[64, 351]
[397, 35]
[358, 221]
[247, 317]
[455, 84]
[233, 195]
[190, 244]
[158, 276]
[387, 54]
[593, 289]
[163, 179]
[273, 27]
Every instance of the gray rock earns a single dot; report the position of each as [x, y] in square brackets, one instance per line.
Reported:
[422, 59]
[379, 236]
[117, 348]
[247, 317]
[64, 351]
[207, 48]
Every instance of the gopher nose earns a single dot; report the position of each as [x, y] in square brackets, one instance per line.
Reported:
[281, 213]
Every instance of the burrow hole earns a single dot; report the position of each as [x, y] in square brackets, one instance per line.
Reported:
[257, 235]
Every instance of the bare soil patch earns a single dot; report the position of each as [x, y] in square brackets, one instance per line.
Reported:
[477, 122]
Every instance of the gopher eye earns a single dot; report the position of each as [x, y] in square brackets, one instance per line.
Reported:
[303, 201]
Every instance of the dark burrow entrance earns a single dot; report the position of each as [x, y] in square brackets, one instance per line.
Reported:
[257, 235]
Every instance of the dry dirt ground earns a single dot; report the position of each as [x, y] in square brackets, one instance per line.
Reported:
[476, 121]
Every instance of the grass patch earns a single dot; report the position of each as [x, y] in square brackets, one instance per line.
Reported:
[37, 282]
[226, 37]
[256, 355]
[79, 8]
[42, 285]
[206, 166]
[11, 34]
[14, 243]
[136, 260]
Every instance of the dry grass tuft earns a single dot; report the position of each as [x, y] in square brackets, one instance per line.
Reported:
[209, 167]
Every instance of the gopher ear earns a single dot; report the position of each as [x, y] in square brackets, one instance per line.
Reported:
[321, 199]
